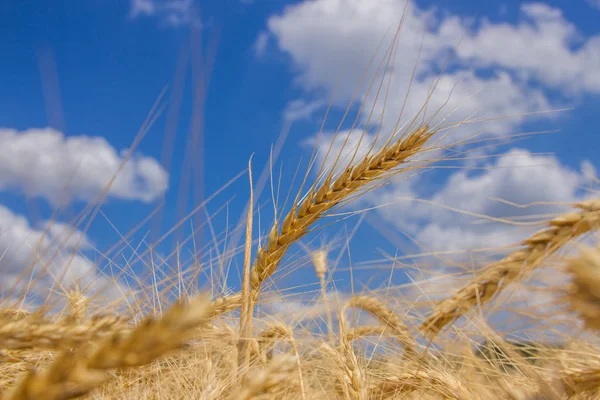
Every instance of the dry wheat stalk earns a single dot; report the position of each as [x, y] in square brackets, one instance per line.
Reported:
[387, 317]
[496, 276]
[74, 374]
[583, 294]
[247, 300]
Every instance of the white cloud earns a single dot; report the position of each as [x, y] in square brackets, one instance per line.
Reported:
[518, 176]
[172, 12]
[34, 261]
[300, 109]
[45, 163]
[330, 43]
[542, 47]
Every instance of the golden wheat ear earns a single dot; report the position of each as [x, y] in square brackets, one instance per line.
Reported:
[321, 199]
[519, 264]
[388, 319]
[74, 374]
[583, 294]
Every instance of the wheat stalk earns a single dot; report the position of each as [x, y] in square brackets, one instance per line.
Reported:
[522, 262]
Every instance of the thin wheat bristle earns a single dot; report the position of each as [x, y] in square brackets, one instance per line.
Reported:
[522, 262]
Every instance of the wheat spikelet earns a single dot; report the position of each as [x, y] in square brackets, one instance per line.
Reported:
[387, 318]
[520, 263]
[583, 294]
[74, 374]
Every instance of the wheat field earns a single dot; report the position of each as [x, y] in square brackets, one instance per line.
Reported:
[212, 344]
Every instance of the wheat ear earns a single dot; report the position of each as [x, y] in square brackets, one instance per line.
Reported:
[320, 200]
[74, 374]
[583, 294]
[28, 333]
[351, 377]
[266, 381]
[496, 276]
[387, 317]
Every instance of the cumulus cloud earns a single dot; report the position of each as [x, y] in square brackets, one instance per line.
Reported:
[36, 260]
[476, 209]
[331, 44]
[500, 69]
[543, 47]
[45, 163]
[172, 12]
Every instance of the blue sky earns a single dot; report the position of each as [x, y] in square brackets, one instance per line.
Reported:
[79, 78]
